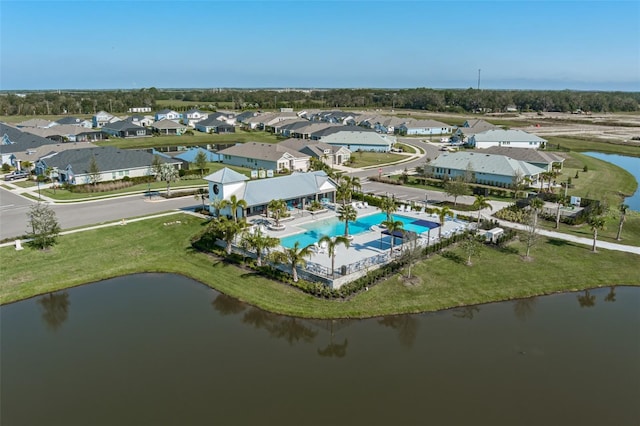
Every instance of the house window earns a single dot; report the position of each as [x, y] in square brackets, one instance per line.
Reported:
[140, 132]
[113, 176]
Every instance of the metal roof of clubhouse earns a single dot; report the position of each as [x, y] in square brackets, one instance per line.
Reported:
[262, 191]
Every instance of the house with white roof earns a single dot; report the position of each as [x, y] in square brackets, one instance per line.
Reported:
[267, 156]
[193, 116]
[168, 114]
[297, 189]
[355, 138]
[510, 138]
[488, 169]
[424, 127]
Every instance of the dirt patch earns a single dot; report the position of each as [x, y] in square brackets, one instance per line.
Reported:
[414, 281]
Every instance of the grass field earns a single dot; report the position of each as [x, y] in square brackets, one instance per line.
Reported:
[630, 230]
[368, 159]
[580, 144]
[162, 245]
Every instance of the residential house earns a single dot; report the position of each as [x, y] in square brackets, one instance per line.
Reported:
[303, 129]
[256, 155]
[488, 169]
[355, 138]
[67, 133]
[297, 189]
[240, 118]
[101, 118]
[226, 116]
[424, 127]
[542, 159]
[193, 116]
[17, 146]
[500, 137]
[263, 121]
[470, 128]
[141, 120]
[124, 129]
[75, 121]
[74, 166]
[331, 155]
[168, 127]
[168, 114]
[335, 117]
[213, 125]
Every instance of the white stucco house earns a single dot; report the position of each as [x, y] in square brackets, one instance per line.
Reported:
[509, 138]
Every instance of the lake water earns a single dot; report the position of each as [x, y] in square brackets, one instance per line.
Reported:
[630, 164]
[157, 349]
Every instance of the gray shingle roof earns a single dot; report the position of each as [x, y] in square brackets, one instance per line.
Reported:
[261, 151]
[259, 192]
[167, 124]
[15, 140]
[485, 163]
[107, 157]
[122, 125]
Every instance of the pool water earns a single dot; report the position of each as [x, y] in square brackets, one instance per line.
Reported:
[333, 227]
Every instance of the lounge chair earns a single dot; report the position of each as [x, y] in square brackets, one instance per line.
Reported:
[360, 205]
[365, 204]
[322, 248]
[401, 208]
[421, 210]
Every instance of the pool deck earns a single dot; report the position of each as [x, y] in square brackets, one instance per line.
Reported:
[366, 248]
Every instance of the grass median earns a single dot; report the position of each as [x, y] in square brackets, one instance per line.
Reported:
[163, 245]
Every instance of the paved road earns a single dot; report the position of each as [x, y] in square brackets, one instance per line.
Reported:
[14, 209]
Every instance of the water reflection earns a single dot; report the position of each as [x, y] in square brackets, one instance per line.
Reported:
[467, 312]
[406, 325]
[55, 309]
[338, 350]
[227, 305]
[587, 300]
[288, 328]
[611, 296]
[524, 308]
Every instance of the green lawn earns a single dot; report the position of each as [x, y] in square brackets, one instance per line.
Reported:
[583, 144]
[161, 245]
[368, 159]
[630, 230]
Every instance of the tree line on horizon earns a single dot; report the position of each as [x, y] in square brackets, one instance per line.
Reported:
[436, 100]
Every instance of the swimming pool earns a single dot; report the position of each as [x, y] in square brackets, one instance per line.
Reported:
[332, 227]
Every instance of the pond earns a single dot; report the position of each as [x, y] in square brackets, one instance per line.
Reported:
[154, 349]
[630, 164]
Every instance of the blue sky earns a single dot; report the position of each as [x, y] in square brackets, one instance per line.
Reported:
[93, 44]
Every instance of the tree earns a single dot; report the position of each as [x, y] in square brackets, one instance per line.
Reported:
[201, 194]
[200, 161]
[44, 226]
[346, 214]
[343, 192]
[259, 242]
[469, 174]
[277, 209]
[332, 245]
[587, 300]
[295, 256]
[531, 235]
[219, 204]
[455, 188]
[471, 247]
[518, 183]
[393, 226]
[235, 203]
[355, 184]
[226, 230]
[388, 205]
[94, 171]
[442, 215]
[597, 223]
[481, 203]
[622, 211]
[167, 174]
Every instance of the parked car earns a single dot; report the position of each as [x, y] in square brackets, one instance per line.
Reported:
[16, 175]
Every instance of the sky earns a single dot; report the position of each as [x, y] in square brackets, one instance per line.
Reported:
[134, 44]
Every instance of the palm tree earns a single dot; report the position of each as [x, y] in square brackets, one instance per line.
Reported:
[259, 242]
[295, 256]
[388, 205]
[236, 203]
[355, 184]
[343, 192]
[226, 230]
[332, 244]
[623, 217]
[347, 214]
[393, 226]
[536, 205]
[219, 204]
[597, 223]
[481, 203]
[201, 194]
[442, 215]
[277, 208]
